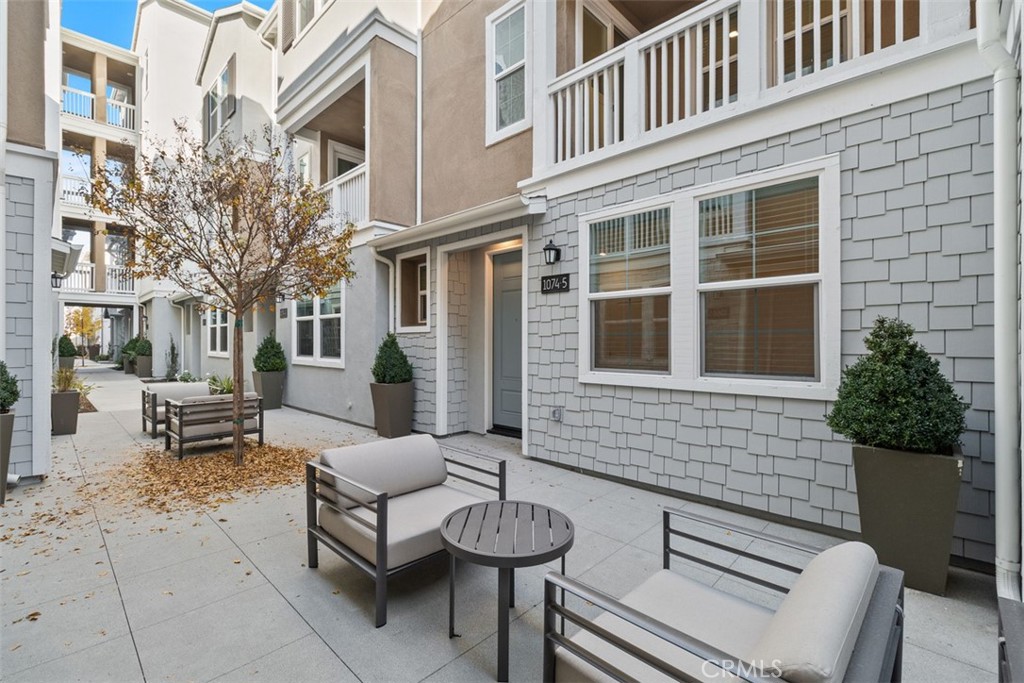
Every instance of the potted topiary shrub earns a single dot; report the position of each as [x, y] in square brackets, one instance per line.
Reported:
[392, 389]
[66, 352]
[268, 373]
[9, 395]
[64, 402]
[905, 420]
[144, 358]
[128, 354]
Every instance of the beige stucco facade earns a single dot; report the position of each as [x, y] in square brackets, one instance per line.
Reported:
[459, 170]
[392, 134]
[26, 123]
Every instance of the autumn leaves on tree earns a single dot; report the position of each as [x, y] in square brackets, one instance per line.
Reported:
[231, 223]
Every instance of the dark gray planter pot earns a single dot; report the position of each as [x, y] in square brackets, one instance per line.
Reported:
[129, 366]
[269, 385]
[64, 412]
[66, 362]
[144, 366]
[907, 505]
[392, 408]
[6, 432]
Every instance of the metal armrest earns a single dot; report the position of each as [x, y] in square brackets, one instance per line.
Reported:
[555, 582]
[668, 551]
[377, 507]
[476, 481]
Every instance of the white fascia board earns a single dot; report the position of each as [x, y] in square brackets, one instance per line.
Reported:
[186, 9]
[515, 206]
[778, 110]
[219, 16]
[95, 45]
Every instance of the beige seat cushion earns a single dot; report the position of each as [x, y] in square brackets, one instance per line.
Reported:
[813, 633]
[395, 466]
[177, 391]
[219, 398]
[718, 619]
[414, 524]
[212, 428]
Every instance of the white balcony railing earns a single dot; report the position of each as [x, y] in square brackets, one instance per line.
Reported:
[77, 102]
[121, 114]
[711, 56]
[82, 280]
[349, 196]
[120, 280]
[74, 190]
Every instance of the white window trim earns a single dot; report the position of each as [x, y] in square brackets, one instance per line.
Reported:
[684, 350]
[315, 360]
[491, 133]
[339, 150]
[399, 327]
[605, 12]
[211, 327]
[214, 132]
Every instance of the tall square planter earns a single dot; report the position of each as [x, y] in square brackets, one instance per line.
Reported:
[270, 386]
[64, 412]
[66, 362]
[6, 432]
[907, 505]
[392, 408]
[144, 366]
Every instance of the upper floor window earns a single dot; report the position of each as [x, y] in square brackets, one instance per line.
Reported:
[219, 101]
[414, 291]
[304, 12]
[730, 287]
[217, 329]
[508, 110]
[318, 331]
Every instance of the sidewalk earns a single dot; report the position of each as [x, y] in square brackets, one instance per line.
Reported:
[225, 595]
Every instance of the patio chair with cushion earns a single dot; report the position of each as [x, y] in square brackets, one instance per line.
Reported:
[379, 505]
[154, 395]
[841, 619]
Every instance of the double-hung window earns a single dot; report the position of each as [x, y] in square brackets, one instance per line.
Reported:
[508, 107]
[318, 330]
[217, 329]
[305, 10]
[731, 287]
[219, 101]
[414, 291]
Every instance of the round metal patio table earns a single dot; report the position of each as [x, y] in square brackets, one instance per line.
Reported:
[506, 534]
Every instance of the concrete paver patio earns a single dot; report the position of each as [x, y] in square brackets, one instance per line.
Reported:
[226, 595]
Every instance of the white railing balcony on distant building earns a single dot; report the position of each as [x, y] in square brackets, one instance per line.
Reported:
[680, 74]
[74, 190]
[120, 280]
[77, 102]
[349, 196]
[82, 280]
[121, 114]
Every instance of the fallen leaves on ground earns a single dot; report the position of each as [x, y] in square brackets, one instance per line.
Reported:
[34, 616]
[158, 480]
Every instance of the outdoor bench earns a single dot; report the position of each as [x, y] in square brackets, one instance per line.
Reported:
[381, 503]
[204, 418]
[841, 619]
[154, 395]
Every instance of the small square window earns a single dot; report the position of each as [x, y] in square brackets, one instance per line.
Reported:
[414, 289]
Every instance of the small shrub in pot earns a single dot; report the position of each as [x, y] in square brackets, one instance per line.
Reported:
[66, 352]
[392, 389]
[269, 365]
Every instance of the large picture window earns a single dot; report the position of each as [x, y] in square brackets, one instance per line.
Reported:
[217, 331]
[317, 332]
[507, 75]
[730, 287]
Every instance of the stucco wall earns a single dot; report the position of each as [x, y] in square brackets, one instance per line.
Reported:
[25, 97]
[916, 214]
[459, 172]
[21, 310]
[392, 92]
[343, 393]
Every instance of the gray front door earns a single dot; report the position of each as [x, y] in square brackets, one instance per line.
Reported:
[508, 346]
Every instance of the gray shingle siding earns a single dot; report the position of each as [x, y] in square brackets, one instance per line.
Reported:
[916, 212]
[20, 311]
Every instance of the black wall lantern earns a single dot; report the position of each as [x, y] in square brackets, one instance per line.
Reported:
[552, 254]
[55, 280]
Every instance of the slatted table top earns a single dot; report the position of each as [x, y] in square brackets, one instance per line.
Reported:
[509, 534]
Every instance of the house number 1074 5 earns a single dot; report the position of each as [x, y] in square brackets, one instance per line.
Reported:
[549, 284]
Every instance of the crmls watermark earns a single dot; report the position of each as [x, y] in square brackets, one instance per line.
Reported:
[728, 667]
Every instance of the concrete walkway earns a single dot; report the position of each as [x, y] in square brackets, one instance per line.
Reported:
[98, 594]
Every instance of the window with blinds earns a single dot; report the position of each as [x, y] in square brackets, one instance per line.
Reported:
[759, 281]
[629, 291]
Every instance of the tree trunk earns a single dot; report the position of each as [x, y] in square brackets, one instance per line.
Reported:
[238, 396]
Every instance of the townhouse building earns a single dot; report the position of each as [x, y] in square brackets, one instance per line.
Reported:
[29, 253]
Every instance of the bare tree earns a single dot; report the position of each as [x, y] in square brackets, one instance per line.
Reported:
[232, 223]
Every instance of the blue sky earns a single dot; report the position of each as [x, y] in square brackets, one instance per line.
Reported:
[113, 20]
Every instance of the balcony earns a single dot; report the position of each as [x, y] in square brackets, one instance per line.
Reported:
[119, 280]
[82, 104]
[74, 190]
[349, 194]
[695, 67]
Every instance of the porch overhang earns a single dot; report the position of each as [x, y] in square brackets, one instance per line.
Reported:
[505, 209]
[64, 256]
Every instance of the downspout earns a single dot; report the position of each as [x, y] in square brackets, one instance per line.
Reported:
[181, 316]
[391, 286]
[3, 171]
[1007, 378]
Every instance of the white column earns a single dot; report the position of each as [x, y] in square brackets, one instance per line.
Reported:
[544, 36]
